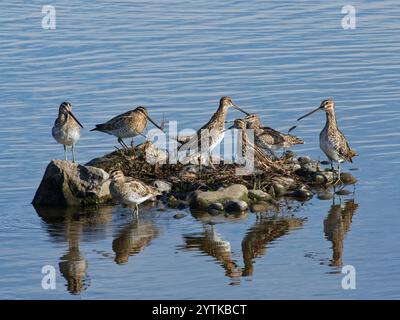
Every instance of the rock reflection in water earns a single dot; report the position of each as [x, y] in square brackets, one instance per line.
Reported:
[133, 239]
[336, 225]
[71, 223]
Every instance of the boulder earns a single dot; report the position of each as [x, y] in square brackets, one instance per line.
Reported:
[235, 206]
[259, 195]
[162, 186]
[202, 200]
[70, 184]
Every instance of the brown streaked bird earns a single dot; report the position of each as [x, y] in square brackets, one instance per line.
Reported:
[215, 128]
[130, 191]
[127, 125]
[251, 152]
[267, 138]
[66, 129]
[331, 140]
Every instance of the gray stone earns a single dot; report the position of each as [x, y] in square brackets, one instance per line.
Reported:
[347, 178]
[179, 216]
[304, 160]
[203, 199]
[279, 189]
[295, 166]
[310, 167]
[319, 178]
[325, 196]
[215, 208]
[302, 194]
[328, 176]
[162, 186]
[259, 195]
[235, 206]
[70, 184]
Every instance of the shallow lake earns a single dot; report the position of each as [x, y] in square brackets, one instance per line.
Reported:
[276, 58]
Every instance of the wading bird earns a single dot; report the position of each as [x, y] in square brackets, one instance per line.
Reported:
[331, 140]
[66, 129]
[130, 191]
[214, 130]
[127, 125]
[269, 139]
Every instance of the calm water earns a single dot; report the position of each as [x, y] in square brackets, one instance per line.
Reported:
[178, 57]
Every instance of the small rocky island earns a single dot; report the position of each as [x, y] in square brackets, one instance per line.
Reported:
[213, 190]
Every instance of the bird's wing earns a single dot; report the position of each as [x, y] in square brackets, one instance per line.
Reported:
[116, 121]
[343, 148]
[271, 136]
[140, 187]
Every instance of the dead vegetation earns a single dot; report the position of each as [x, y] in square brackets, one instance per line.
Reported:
[135, 162]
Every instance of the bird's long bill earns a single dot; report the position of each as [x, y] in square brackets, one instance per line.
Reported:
[309, 114]
[73, 117]
[154, 123]
[240, 109]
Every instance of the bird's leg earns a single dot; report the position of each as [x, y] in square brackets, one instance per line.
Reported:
[338, 177]
[73, 152]
[200, 165]
[332, 168]
[65, 152]
[137, 212]
[123, 144]
[132, 144]
[210, 160]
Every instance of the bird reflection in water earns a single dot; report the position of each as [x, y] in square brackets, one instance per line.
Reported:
[336, 225]
[133, 239]
[69, 224]
[211, 243]
[264, 231]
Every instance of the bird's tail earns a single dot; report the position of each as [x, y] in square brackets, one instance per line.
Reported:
[352, 154]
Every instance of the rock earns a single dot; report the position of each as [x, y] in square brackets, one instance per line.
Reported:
[347, 178]
[215, 208]
[235, 206]
[162, 186]
[70, 184]
[323, 177]
[328, 176]
[175, 203]
[319, 178]
[325, 196]
[259, 195]
[302, 194]
[179, 216]
[181, 205]
[310, 167]
[343, 192]
[304, 160]
[203, 199]
[279, 189]
[295, 166]
[261, 206]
